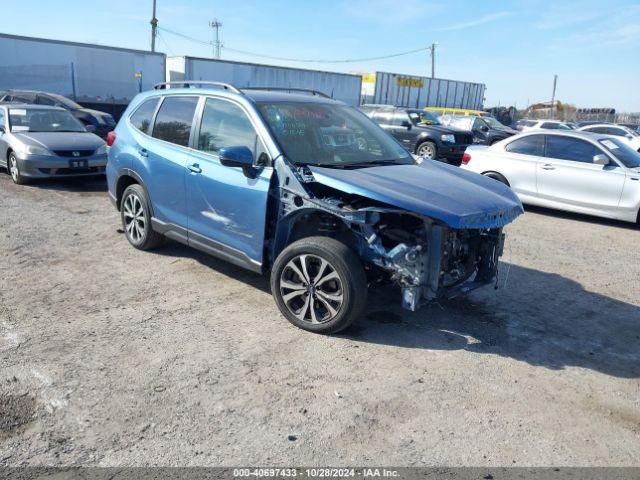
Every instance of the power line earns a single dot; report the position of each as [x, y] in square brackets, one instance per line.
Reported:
[161, 37]
[299, 60]
[348, 60]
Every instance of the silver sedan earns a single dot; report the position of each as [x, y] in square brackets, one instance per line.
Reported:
[566, 170]
[40, 141]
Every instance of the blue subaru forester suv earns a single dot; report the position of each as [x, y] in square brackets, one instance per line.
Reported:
[308, 189]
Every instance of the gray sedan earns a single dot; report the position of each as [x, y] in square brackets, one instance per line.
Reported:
[41, 142]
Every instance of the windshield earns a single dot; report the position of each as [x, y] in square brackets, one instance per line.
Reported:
[41, 120]
[492, 122]
[627, 155]
[423, 117]
[631, 132]
[464, 123]
[330, 135]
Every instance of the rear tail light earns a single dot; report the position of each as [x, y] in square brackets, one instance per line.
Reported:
[466, 158]
[111, 137]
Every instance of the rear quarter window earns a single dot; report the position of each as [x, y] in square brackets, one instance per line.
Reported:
[141, 118]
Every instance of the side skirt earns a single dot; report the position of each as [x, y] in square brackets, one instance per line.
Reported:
[206, 245]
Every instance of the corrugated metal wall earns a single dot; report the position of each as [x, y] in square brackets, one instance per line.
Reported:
[96, 73]
[396, 89]
[340, 86]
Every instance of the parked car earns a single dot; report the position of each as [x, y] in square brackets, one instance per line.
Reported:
[543, 125]
[100, 123]
[485, 130]
[567, 170]
[41, 142]
[308, 189]
[421, 132]
[438, 111]
[627, 135]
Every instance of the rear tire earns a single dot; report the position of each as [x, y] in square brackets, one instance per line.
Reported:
[136, 219]
[13, 168]
[319, 285]
[497, 176]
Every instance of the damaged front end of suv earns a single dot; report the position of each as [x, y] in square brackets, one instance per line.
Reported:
[430, 229]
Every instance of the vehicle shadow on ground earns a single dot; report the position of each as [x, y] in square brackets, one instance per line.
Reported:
[178, 250]
[540, 318]
[96, 184]
[579, 217]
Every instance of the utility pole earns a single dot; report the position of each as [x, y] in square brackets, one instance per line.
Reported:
[553, 97]
[154, 28]
[432, 49]
[215, 44]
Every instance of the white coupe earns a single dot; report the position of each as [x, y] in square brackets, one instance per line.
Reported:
[566, 170]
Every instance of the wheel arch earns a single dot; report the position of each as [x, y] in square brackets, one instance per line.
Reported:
[493, 174]
[425, 137]
[311, 222]
[126, 178]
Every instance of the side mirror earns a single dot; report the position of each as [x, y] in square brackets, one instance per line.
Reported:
[406, 124]
[484, 128]
[90, 128]
[2, 129]
[240, 157]
[600, 159]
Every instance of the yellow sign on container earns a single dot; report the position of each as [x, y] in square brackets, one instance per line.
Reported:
[410, 82]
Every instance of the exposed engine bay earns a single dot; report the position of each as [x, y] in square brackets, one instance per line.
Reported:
[423, 256]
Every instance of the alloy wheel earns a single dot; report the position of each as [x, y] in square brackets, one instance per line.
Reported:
[427, 151]
[311, 289]
[134, 220]
[13, 168]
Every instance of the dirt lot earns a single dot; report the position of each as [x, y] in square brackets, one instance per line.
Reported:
[111, 356]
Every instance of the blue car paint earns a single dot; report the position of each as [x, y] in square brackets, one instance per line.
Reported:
[226, 206]
[223, 211]
[456, 197]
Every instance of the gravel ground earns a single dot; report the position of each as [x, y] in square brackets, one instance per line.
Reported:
[116, 357]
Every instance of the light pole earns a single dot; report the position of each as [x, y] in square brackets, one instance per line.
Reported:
[432, 48]
[553, 97]
[154, 27]
[215, 24]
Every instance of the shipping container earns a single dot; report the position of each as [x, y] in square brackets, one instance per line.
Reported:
[419, 92]
[89, 74]
[340, 86]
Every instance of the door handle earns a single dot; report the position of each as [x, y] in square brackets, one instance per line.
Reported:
[143, 152]
[548, 166]
[195, 168]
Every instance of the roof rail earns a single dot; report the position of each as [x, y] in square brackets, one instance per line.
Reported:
[193, 83]
[290, 89]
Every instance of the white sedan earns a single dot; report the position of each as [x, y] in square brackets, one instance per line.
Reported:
[631, 137]
[566, 170]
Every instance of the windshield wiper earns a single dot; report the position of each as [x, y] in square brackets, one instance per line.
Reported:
[361, 164]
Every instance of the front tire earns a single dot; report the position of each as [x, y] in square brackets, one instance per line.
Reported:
[319, 285]
[136, 219]
[14, 170]
[427, 150]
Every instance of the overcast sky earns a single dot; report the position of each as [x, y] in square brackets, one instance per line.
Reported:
[515, 48]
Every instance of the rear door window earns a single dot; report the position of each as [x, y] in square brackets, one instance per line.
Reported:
[530, 145]
[174, 120]
[399, 117]
[141, 118]
[568, 148]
